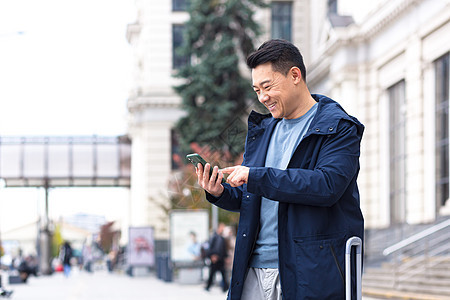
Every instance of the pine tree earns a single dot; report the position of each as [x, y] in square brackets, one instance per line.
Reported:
[216, 97]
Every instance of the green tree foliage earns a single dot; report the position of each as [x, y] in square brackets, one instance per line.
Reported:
[216, 97]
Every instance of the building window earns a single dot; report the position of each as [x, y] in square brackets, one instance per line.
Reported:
[282, 20]
[178, 60]
[177, 162]
[397, 152]
[332, 7]
[180, 5]
[442, 129]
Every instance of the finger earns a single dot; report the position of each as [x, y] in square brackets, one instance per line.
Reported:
[199, 173]
[228, 170]
[206, 174]
[235, 179]
[213, 177]
[220, 178]
[230, 177]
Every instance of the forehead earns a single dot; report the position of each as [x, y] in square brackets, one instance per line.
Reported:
[263, 73]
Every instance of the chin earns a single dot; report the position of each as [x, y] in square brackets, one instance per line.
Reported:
[276, 116]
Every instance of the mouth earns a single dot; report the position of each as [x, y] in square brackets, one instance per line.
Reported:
[271, 106]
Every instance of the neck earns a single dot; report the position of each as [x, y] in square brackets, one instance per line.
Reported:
[306, 101]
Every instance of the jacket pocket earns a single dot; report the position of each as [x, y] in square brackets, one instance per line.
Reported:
[320, 268]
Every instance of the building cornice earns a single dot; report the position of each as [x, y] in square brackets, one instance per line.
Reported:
[384, 15]
[375, 22]
[142, 103]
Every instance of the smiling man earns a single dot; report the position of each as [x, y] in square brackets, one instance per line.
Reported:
[296, 189]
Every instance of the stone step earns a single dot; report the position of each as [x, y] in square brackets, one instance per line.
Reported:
[433, 276]
[395, 294]
[430, 282]
[427, 289]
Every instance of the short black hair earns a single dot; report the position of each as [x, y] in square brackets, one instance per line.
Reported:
[282, 54]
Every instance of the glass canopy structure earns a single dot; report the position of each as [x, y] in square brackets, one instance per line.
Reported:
[78, 161]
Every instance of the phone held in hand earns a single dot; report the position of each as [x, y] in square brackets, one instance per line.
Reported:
[195, 159]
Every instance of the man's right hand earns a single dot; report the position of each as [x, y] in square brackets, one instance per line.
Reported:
[211, 185]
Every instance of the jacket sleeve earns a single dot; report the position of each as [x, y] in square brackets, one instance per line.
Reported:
[229, 200]
[337, 164]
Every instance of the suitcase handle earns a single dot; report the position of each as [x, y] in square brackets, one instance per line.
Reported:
[353, 242]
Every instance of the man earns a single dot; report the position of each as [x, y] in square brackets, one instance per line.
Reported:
[296, 189]
[194, 246]
[217, 252]
[66, 256]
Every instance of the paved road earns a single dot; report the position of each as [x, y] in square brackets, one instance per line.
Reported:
[101, 285]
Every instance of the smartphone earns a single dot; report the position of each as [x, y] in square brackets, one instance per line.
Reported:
[195, 159]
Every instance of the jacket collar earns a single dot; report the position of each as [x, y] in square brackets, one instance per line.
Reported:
[329, 114]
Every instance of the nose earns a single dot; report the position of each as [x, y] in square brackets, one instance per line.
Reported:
[263, 97]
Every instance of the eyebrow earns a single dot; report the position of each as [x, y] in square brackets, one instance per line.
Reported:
[262, 83]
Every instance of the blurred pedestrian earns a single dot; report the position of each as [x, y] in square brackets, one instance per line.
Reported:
[3, 292]
[27, 266]
[193, 248]
[65, 256]
[230, 239]
[217, 252]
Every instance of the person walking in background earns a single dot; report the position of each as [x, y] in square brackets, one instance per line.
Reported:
[230, 239]
[65, 256]
[296, 189]
[217, 252]
[193, 247]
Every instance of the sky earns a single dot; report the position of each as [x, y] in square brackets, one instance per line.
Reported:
[65, 66]
[65, 69]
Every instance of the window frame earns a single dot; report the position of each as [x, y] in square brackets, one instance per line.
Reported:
[180, 5]
[178, 61]
[281, 22]
[397, 152]
[442, 138]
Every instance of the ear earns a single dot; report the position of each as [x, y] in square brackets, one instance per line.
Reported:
[295, 74]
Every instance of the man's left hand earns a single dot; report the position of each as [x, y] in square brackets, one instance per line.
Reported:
[238, 175]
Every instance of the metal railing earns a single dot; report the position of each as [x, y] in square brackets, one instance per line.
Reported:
[420, 252]
[416, 237]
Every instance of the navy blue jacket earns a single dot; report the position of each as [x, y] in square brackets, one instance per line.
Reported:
[319, 207]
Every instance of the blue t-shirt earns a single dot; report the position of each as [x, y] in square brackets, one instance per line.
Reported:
[285, 139]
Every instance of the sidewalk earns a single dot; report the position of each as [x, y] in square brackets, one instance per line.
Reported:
[101, 285]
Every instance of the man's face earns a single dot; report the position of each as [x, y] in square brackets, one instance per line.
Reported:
[275, 91]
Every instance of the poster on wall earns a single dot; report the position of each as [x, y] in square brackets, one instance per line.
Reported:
[188, 230]
[141, 243]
